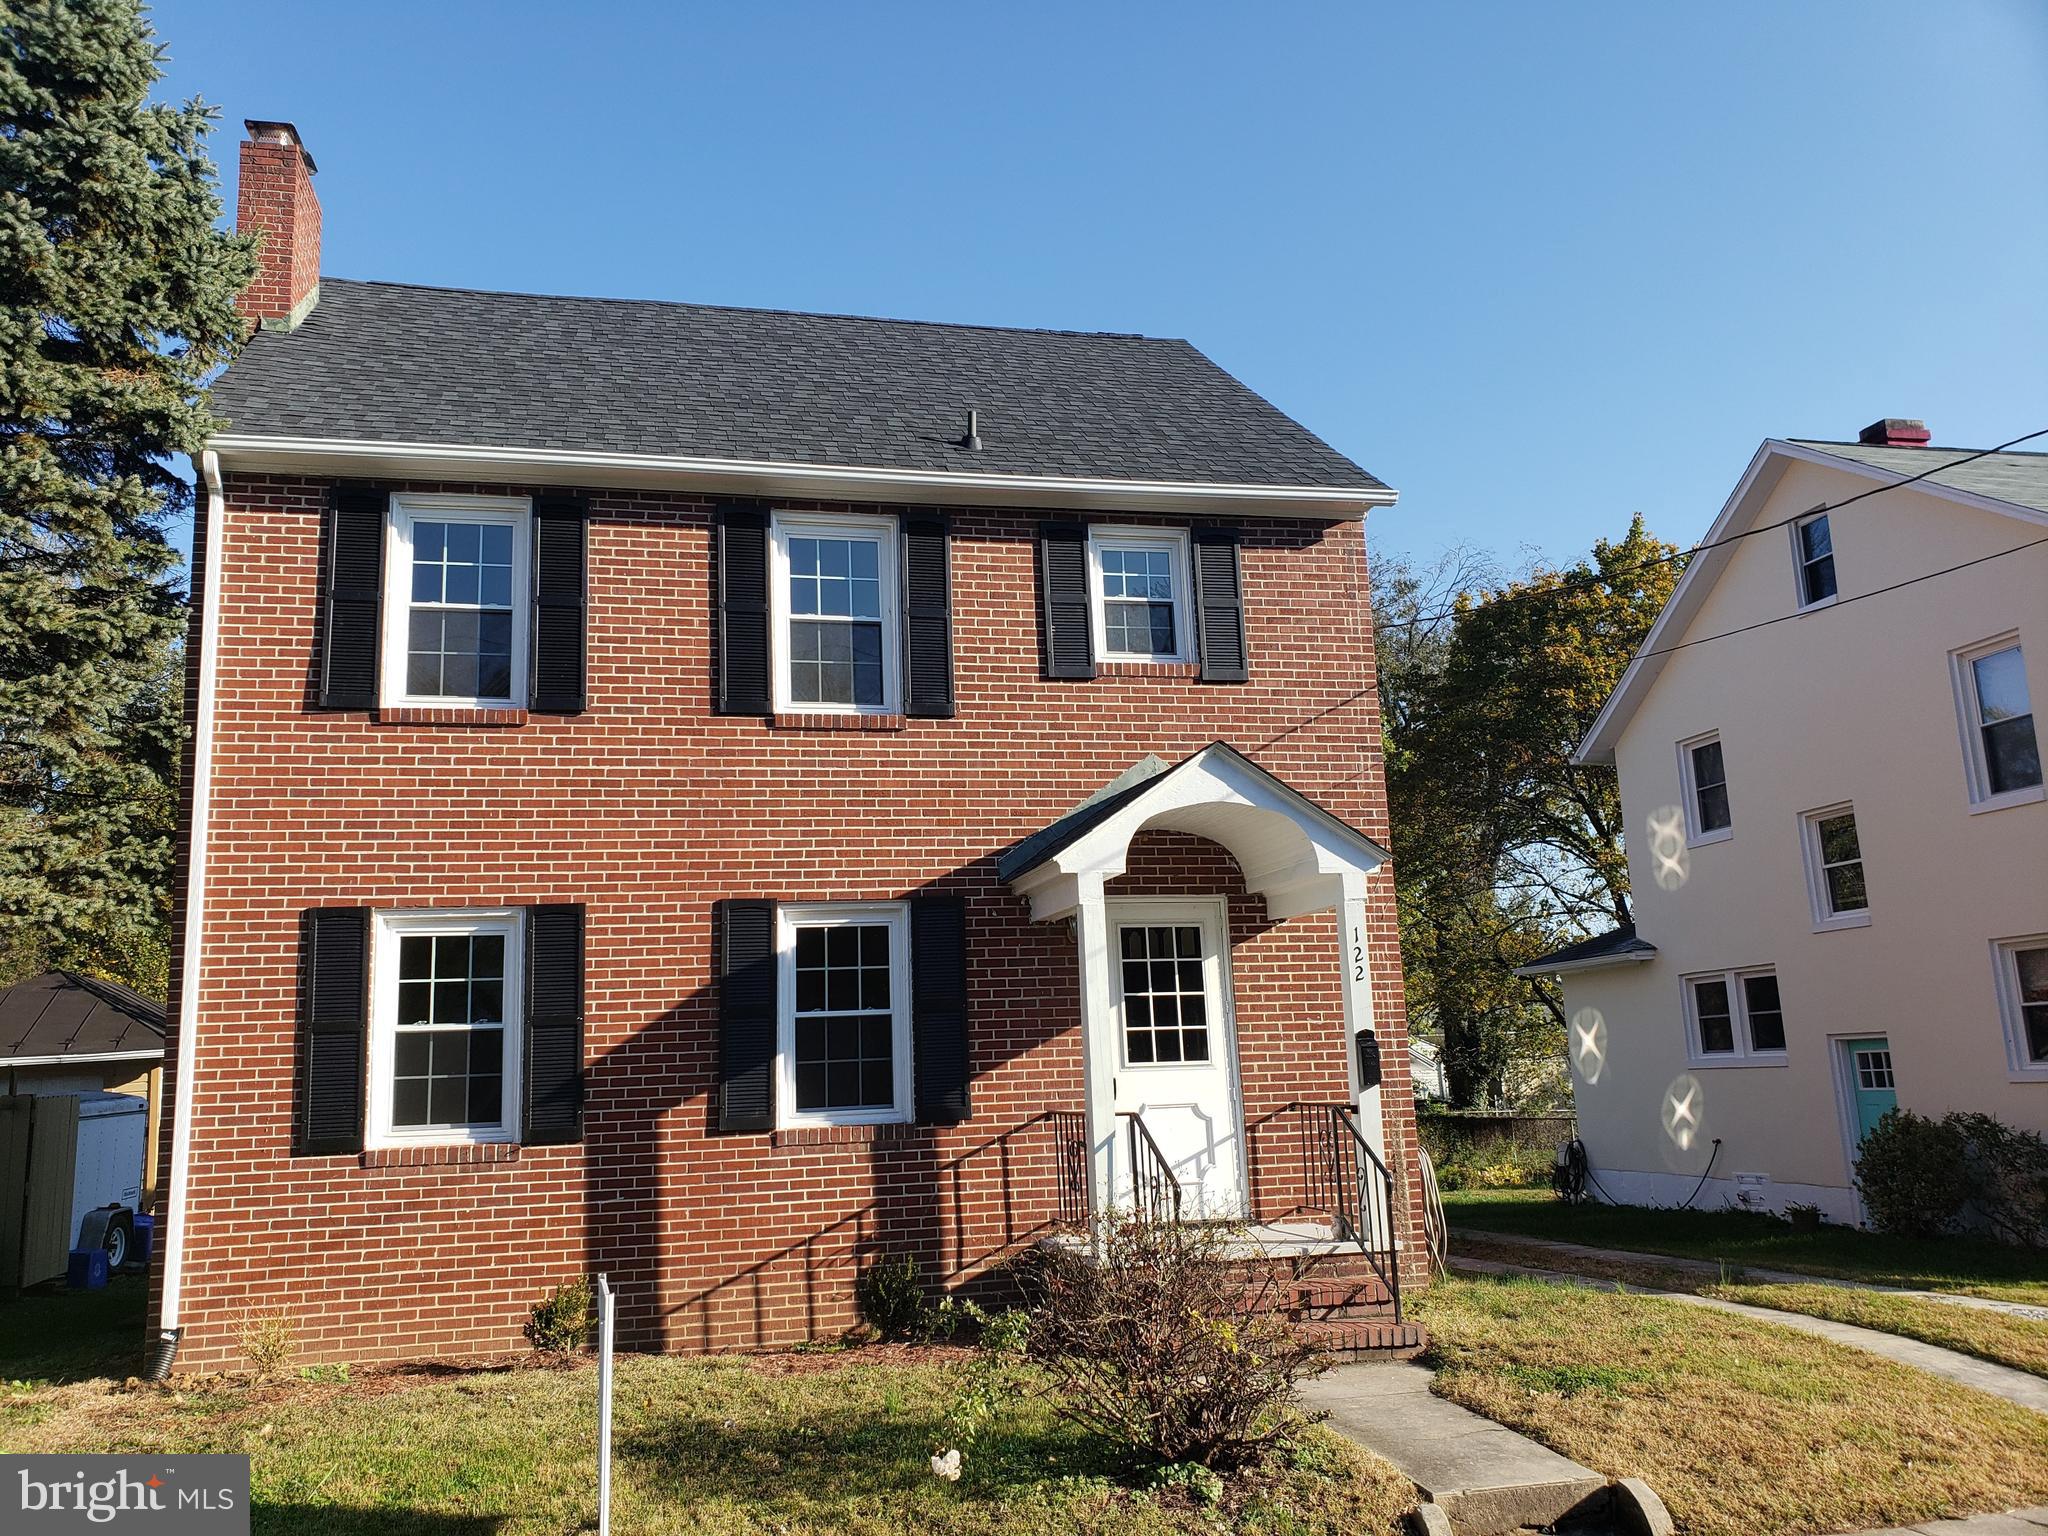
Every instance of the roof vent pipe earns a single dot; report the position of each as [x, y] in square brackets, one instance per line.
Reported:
[972, 441]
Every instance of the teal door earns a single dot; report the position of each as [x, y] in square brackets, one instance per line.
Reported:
[1870, 1082]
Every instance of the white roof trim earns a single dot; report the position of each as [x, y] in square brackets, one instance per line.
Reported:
[1766, 468]
[80, 1058]
[1592, 963]
[468, 461]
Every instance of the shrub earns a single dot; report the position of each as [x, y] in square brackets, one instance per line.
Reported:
[2008, 1178]
[268, 1341]
[1930, 1178]
[891, 1297]
[1157, 1341]
[562, 1321]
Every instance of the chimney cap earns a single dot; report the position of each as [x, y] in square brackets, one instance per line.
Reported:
[269, 131]
[1896, 432]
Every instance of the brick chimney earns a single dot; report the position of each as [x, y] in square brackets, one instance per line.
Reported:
[277, 198]
[1896, 432]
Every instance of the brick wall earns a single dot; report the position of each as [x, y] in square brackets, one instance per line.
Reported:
[648, 808]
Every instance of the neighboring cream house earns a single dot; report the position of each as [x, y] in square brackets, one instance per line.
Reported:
[1837, 835]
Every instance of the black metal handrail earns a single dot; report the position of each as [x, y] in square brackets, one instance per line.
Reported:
[1070, 1146]
[1346, 1177]
[1155, 1190]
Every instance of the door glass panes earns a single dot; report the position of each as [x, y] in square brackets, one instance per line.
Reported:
[2005, 716]
[1714, 1011]
[1710, 786]
[1873, 1069]
[1816, 560]
[448, 1045]
[2033, 983]
[1841, 859]
[1766, 1016]
[835, 624]
[1137, 602]
[1166, 1004]
[459, 635]
[845, 1026]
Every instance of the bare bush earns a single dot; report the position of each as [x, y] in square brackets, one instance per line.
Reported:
[268, 1340]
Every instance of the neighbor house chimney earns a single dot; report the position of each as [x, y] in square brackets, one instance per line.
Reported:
[277, 198]
[1895, 432]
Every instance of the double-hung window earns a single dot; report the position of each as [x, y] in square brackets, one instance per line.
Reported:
[1814, 547]
[832, 587]
[843, 1014]
[2023, 1001]
[1996, 710]
[1734, 1017]
[1704, 775]
[456, 600]
[444, 1028]
[1140, 602]
[1834, 867]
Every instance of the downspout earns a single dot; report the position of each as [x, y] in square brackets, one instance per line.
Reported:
[165, 1348]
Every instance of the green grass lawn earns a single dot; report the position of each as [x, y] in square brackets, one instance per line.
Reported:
[1744, 1238]
[1740, 1426]
[792, 1443]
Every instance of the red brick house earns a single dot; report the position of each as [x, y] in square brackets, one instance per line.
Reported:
[718, 795]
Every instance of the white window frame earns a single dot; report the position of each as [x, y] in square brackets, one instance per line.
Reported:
[1825, 919]
[839, 914]
[2006, 978]
[830, 526]
[1798, 527]
[1745, 1053]
[1695, 836]
[386, 929]
[1977, 772]
[1175, 542]
[408, 507]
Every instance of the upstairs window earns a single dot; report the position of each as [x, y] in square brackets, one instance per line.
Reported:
[1816, 551]
[1140, 602]
[1705, 778]
[1834, 867]
[455, 611]
[2002, 752]
[1734, 1017]
[833, 592]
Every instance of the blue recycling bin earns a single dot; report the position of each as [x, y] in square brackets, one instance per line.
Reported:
[142, 1240]
[87, 1270]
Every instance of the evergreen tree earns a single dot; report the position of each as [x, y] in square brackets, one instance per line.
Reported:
[117, 302]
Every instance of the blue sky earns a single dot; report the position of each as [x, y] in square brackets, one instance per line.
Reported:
[1537, 266]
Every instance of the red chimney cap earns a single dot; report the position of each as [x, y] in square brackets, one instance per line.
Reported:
[1896, 432]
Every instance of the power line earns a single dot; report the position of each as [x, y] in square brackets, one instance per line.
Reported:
[1591, 580]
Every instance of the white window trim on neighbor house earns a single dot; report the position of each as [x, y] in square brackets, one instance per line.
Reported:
[1798, 528]
[408, 507]
[829, 525]
[1690, 794]
[2006, 977]
[1745, 1053]
[1825, 918]
[896, 915]
[386, 929]
[1175, 542]
[1963, 676]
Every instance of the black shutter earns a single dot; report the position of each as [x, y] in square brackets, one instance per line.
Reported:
[334, 963]
[1063, 587]
[927, 615]
[1219, 606]
[938, 1007]
[554, 1026]
[350, 596]
[743, 610]
[559, 592]
[746, 1015]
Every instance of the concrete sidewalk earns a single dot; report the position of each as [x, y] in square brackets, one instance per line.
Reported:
[2021, 1522]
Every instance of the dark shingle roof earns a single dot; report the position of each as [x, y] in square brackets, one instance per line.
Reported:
[76, 1017]
[2020, 478]
[388, 363]
[1618, 944]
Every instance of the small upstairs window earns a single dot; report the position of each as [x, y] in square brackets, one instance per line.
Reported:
[1705, 777]
[455, 612]
[833, 591]
[1816, 550]
[1834, 868]
[2003, 753]
[1142, 607]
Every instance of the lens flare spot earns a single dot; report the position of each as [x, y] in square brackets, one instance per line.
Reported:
[1589, 1043]
[1685, 1108]
[1669, 862]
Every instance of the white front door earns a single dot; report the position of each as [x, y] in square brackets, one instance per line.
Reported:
[1176, 1048]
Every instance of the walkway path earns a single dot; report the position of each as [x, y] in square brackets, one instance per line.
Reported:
[2021, 1522]
[2020, 1387]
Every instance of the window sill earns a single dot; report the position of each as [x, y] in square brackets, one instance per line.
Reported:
[1702, 839]
[1186, 669]
[1815, 607]
[471, 716]
[1847, 920]
[1719, 1063]
[441, 1154]
[840, 1135]
[782, 721]
[2011, 798]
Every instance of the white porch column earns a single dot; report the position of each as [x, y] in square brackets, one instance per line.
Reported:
[1098, 1044]
[1358, 1016]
